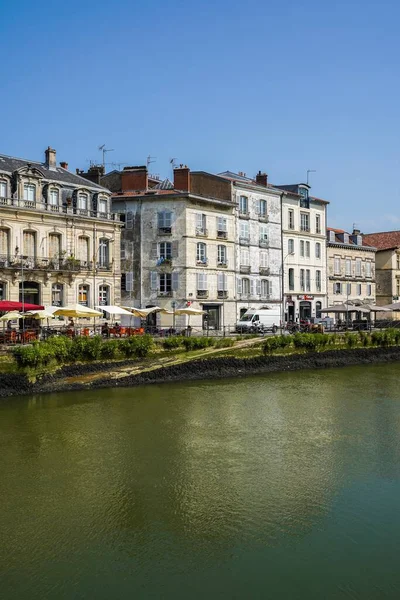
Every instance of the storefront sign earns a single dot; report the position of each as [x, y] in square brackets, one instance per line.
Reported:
[305, 297]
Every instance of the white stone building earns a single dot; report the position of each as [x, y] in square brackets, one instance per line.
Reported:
[304, 253]
[258, 249]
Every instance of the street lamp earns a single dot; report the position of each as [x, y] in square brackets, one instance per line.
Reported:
[22, 288]
[281, 285]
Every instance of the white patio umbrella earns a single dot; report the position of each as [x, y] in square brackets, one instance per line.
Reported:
[114, 310]
[190, 311]
[12, 315]
[77, 311]
[391, 307]
[144, 312]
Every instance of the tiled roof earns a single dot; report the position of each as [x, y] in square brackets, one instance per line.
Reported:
[335, 230]
[384, 240]
[339, 239]
[9, 164]
[166, 184]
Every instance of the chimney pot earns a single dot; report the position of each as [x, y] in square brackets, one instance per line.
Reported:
[64, 165]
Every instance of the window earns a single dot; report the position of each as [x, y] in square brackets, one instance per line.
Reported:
[222, 283]
[264, 234]
[301, 247]
[264, 259]
[83, 202]
[348, 291]
[368, 269]
[369, 289]
[291, 279]
[201, 253]
[29, 244]
[29, 192]
[4, 244]
[318, 307]
[302, 281]
[304, 222]
[83, 250]
[317, 223]
[165, 250]
[337, 287]
[243, 205]
[164, 220]
[318, 280]
[3, 291]
[222, 255]
[348, 267]
[57, 292]
[397, 287]
[264, 288]
[245, 286]
[104, 295]
[201, 224]
[202, 282]
[308, 249]
[244, 257]
[3, 189]
[54, 198]
[244, 230]
[336, 265]
[221, 227]
[359, 289]
[358, 267]
[317, 250]
[103, 206]
[83, 295]
[398, 262]
[263, 208]
[290, 218]
[165, 285]
[304, 200]
[290, 246]
[54, 245]
[103, 253]
[308, 280]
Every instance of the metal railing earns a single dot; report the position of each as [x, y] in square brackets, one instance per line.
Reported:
[67, 209]
[17, 263]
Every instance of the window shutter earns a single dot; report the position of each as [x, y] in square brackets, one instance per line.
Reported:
[258, 287]
[239, 285]
[154, 250]
[199, 221]
[160, 219]
[175, 249]
[153, 280]
[129, 282]
[257, 207]
[175, 281]
[129, 220]
[220, 282]
[251, 287]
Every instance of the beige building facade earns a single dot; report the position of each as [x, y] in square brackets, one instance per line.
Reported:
[59, 240]
[387, 244]
[351, 268]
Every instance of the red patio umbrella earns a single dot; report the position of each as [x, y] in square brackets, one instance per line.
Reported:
[6, 305]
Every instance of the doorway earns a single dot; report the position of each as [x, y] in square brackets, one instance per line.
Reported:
[31, 293]
[212, 316]
[290, 312]
[305, 311]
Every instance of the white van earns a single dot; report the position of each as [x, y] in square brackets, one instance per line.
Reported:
[266, 318]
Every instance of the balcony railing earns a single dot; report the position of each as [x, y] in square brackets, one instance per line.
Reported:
[48, 264]
[201, 232]
[202, 262]
[263, 218]
[202, 293]
[165, 230]
[167, 294]
[222, 235]
[244, 214]
[66, 209]
[263, 243]
[223, 264]
[265, 271]
[221, 294]
[244, 241]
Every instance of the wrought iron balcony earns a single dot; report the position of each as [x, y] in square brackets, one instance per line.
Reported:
[221, 294]
[65, 209]
[245, 268]
[202, 293]
[265, 271]
[263, 243]
[244, 241]
[222, 264]
[165, 230]
[31, 263]
[201, 232]
[222, 235]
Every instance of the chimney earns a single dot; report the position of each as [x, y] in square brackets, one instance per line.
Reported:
[134, 179]
[262, 179]
[94, 174]
[51, 162]
[64, 165]
[182, 178]
[356, 232]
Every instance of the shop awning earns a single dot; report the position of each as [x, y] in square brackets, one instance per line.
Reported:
[8, 305]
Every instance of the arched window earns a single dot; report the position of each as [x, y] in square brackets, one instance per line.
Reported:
[201, 254]
[83, 295]
[83, 201]
[104, 295]
[103, 259]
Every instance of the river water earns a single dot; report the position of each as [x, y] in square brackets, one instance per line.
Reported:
[279, 486]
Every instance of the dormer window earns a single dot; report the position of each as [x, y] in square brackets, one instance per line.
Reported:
[82, 201]
[29, 192]
[3, 189]
[304, 200]
[103, 206]
[53, 197]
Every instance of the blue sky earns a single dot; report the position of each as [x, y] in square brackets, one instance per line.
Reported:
[278, 86]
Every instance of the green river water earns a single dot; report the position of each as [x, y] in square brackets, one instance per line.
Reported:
[279, 486]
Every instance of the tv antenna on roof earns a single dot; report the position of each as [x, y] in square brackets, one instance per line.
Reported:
[150, 159]
[104, 150]
[310, 171]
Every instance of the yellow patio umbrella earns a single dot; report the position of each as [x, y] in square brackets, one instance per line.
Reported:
[12, 315]
[77, 311]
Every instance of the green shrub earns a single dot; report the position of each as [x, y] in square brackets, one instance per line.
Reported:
[197, 343]
[351, 339]
[110, 349]
[225, 343]
[136, 346]
[173, 342]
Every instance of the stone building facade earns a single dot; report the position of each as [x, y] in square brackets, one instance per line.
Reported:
[387, 260]
[304, 253]
[59, 241]
[351, 268]
[258, 239]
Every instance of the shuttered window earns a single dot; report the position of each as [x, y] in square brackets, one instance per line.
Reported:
[202, 281]
[29, 247]
[83, 249]
[4, 242]
[54, 245]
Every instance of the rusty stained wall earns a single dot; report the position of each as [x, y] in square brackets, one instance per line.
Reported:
[204, 184]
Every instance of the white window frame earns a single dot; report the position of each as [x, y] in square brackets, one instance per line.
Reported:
[244, 230]
[290, 218]
[222, 254]
[54, 197]
[243, 205]
[348, 267]
[201, 252]
[3, 189]
[165, 250]
[244, 257]
[317, 250]
[29, 192]
[291, 246]
[336, 265]
[83, 201]
[304, 221]
[262, 207]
